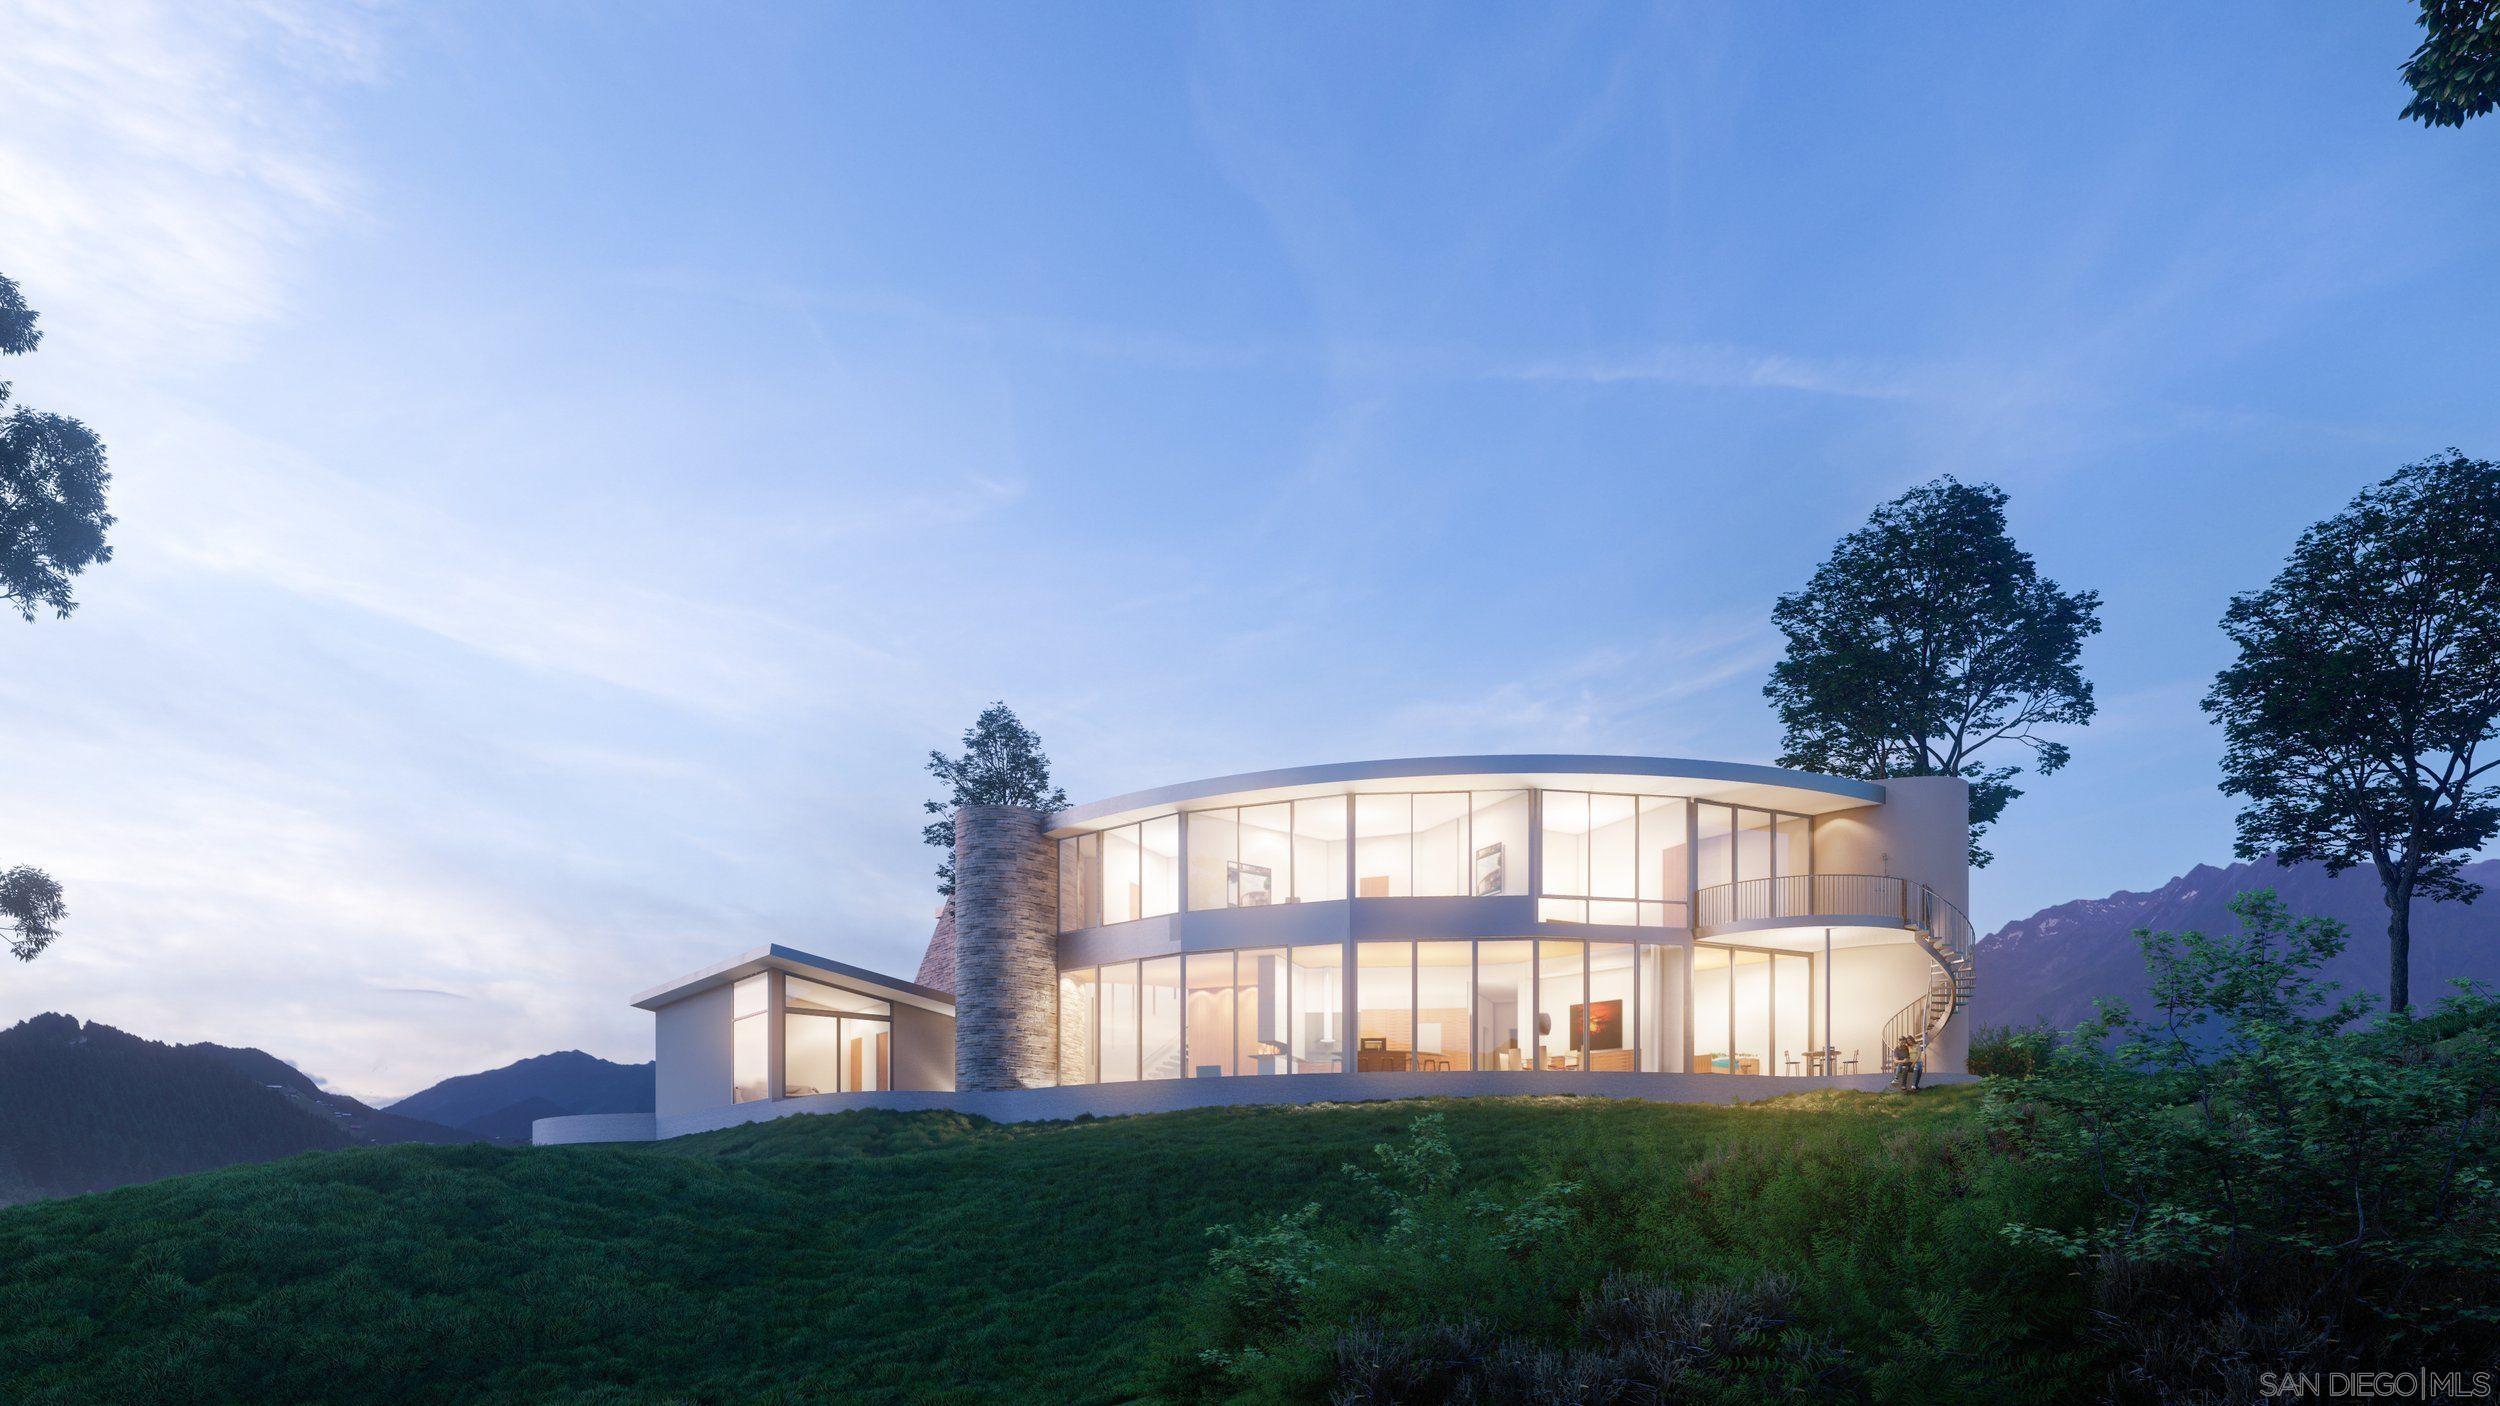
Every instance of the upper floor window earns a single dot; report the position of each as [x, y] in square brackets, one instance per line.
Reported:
[1614, 859]
[1261, 856]
[1441, 844]
[1735, 845]
[1121, 874]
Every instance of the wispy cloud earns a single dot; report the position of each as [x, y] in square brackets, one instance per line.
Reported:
[160, 161]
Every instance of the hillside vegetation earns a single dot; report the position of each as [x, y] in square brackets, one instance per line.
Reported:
[936, 1258]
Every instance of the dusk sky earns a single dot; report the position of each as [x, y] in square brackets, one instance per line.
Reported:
[574, 461]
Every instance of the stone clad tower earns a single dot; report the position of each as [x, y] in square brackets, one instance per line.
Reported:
[1006, 950]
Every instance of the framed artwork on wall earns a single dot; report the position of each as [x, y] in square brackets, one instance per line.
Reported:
[1489, 868]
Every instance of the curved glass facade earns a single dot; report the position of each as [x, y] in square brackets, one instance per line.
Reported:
[1536, 987]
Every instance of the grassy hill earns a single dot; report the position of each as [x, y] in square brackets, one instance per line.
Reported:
[919, 1257]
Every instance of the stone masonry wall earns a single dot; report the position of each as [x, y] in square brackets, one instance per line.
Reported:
[1006, 950]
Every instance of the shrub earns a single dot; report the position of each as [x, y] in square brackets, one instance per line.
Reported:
[2011, 1051]
[2272, 1184]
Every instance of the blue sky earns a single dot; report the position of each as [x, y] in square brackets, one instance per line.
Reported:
[575, 460]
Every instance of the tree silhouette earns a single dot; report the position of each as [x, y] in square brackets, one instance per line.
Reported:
[2362, 715]
[1925, 639]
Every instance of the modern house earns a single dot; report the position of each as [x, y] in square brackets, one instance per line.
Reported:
[1627, 926]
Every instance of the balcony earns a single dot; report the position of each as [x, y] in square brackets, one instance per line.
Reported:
[1855, 900]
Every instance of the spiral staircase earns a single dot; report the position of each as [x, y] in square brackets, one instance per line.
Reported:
[1940, 929]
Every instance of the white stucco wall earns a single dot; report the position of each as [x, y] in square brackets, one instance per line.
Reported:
[690, 1039]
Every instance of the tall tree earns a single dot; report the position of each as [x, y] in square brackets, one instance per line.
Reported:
[1927, 638]
[52, 526]
[2455, 74]
[2361, 713]
[1002, 764]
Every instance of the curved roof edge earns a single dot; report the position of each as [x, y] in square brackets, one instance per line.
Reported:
[1725, 775]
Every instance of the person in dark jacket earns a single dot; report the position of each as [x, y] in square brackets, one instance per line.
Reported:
[1901, 1065]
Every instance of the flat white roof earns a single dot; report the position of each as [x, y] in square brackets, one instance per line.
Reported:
[776, 957]
[1738, 783]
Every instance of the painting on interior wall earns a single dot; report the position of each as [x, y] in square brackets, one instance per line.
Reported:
[1489, 869]
[1597, 1026]
[1249, 885]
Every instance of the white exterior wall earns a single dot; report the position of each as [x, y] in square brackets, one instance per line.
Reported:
[690, 1040]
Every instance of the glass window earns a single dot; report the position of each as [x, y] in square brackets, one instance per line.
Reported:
[1710, 1011]
[1612, 847]
[750, 1038]
[1662, 876]
[1318, 1033]
[1792, 1010]
[800, 994]
[1259, 1010]
[1753, 845]
[1208, 1023]
[1604, 1029]
[1753, 1011]
[1566, 844]
[1499, 835]
[1444, 997]
[1384, 856]
[1665, 1007]
[1076, 1026]
[1504, 971]
[1159, 850]
[1384, 992]
[1214, 855]
[1123, 877]
[1715, 846]
[1561, 992]
[1319, 846]
[1792, 846]
[1614, 859]
[1264, 874]
[1159, 1032]
[824, 1053]
[1441, 849]
[1119, 1024]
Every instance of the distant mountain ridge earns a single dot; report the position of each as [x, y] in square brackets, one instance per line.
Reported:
[501, 1103]
[87, 1107]
[2051, 965]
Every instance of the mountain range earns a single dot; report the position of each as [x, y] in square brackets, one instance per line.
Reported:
[2050, 966]
[87, 1107]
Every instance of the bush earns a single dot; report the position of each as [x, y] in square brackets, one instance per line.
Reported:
[2272, 1184]
[1861, 1258]
[2011, 1051]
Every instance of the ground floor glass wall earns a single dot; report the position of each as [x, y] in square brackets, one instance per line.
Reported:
[1436, 1007]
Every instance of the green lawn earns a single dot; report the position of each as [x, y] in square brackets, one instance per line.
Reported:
[907, 1257]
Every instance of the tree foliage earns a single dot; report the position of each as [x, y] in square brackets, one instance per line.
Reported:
[52, 487]
[2362, 713]
[2274, 1184]
[31, 906]
[52, 526]
[2455, 74]
[1002, 764]
[1926, 638]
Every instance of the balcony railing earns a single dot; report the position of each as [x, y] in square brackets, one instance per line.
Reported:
[1906, 901]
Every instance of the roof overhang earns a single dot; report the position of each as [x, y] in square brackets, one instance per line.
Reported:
[776, 957]
[1736, 783]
